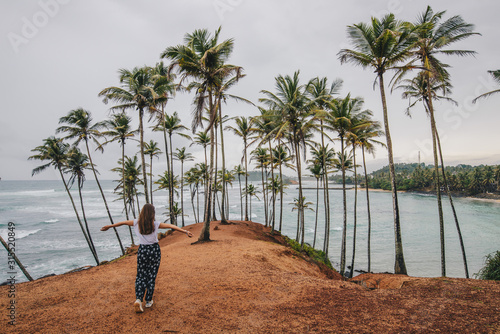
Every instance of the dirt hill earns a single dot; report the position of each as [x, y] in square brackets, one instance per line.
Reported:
[247, 281]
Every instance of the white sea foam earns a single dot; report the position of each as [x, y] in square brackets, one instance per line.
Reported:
[18, 234]
[36, 193]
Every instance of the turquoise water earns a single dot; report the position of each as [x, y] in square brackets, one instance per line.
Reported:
[49, 239]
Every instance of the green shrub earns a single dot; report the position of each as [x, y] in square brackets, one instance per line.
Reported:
[491, 270]
[316, 255]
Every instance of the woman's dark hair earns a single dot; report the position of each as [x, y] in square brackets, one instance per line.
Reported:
[146, 219]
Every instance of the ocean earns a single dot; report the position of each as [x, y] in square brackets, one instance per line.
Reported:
[48, 239]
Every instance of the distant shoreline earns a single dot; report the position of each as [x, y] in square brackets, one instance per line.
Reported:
[493, 199]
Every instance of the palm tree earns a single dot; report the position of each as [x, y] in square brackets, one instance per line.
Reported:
[322, 94]
[79, 127]
[176, 211]
[356, 130]
[251, 191]
[140, 91]
[294, 109]
[281, 157]
[56, 153]
[383, 45]
[238, 171]
[418, 89]
[243, 129]
[432, 38]
[300, 204]
[366, 140]
[76, 164]
[119, 129]
[164, 81]
[127, 184]
[227, 81]
[171, 125]
[262, 158]
[343, 163]
[317, 173]
[323, 157]
[164, 86]
[182, 156]
[265, 126]
[167, 181]
[496, 77]
[226, 178]
[203, 59]
[193, 178]
[342, 117]
[152, 150]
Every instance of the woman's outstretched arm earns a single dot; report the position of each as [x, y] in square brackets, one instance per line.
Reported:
[177, 228]
[126, 222]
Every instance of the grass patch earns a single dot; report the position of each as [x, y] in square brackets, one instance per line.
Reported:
[314, 254]
[491, 270]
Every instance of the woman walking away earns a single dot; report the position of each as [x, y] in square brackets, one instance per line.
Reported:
[149, 253]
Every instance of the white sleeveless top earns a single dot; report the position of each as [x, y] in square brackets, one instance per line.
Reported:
[147, 239]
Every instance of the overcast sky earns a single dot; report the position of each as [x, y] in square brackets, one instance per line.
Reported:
[57, 55]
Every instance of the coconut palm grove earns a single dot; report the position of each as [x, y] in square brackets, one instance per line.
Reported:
[301, 127]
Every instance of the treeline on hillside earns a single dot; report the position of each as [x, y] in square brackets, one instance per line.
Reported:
[464, 179]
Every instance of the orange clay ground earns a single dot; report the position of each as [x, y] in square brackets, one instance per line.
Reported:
[247, 281]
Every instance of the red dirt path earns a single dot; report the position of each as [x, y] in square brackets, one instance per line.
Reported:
[246, 281]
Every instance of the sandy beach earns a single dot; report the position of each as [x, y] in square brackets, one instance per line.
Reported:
[247, 281]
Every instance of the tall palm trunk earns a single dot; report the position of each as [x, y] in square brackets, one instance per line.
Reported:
[355, 209]
[84, 215]
[301, 196]
[205, 184]
[250, 206]
[143, 161]
[151, 178]
[264, 192]
[246, 178]
[125, 190]
[438, 183]
[103, 197]
[399, 263]
[137, 200]
[205, 231]
[78, 217]
[182, 192]
[241, 198]
[368, 210]
[317, 205]
[192, 191]
[214, 185]
[344, 201]
[452, 207]
[198, 201]
[170, 190]
[273, 193]
[173, 217]
[326, 195]
[223, 156]
[281, 195]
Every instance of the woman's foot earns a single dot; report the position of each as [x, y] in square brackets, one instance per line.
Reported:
[138, 306]
[149, 304]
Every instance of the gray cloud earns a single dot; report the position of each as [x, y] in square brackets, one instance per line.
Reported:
[57, 55]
